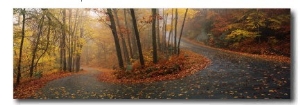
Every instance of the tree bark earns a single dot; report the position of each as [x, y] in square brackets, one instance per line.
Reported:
[178, 51]
[128, 35]
[115, 35]
[64, 61]
[74, 41]
[21, 48]
[175, 29]
[137, 38]
[171, 30]
[165, 33]
[133, 39]
[154, 36]
[126, 56]
[77, 68]
[40, 27]
[157, 29]
[70, 42]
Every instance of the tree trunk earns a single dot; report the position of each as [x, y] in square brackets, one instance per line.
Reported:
[157, 29]
[178, 51]
[74, 41]
[128, 35]
[126, 56]
[21, 48]
[171, 30]
[137, 37]
[40, 27]
[165, 33]
[115, 35]
[154, 36]
[77, 68]
[61, 51]
[133, 40]
[70, 42]
[74, 53]
[64, 61]
[87, 54]
[47, 44]
[175, 29]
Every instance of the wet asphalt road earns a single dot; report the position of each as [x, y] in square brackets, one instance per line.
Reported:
[229, 76]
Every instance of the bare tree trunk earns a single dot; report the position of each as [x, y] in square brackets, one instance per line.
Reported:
[128, 35]
[69, 63]
[178, 51]
[61, 55]
[165, 33]
[115, 35]
[137, 38]
[40, 27]
[175, 36]
[157, 29]
[126, 56]
[23, 12]
[74, 53]
[77, 68]
[64, 61]
[133, 40]
[74, 41]
[154, 36]
[171, 30]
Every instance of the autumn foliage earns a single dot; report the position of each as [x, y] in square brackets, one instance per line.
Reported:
[264, 57]
[254, 31]
[186, 63]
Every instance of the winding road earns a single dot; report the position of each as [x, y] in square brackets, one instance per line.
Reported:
[229, 76]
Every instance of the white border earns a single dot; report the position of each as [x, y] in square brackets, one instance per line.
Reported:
[6, 33]
[154, 3]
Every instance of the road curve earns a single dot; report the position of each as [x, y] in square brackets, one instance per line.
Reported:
[229, 76]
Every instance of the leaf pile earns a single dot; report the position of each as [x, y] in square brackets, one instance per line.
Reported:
[175, 67]
[28, 88]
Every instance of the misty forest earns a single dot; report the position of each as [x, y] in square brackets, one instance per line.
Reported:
[154, 53]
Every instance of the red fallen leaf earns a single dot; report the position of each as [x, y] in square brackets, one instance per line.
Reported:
[164, 70]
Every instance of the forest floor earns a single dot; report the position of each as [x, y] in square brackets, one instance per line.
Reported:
[229, 76]
[177, 66]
